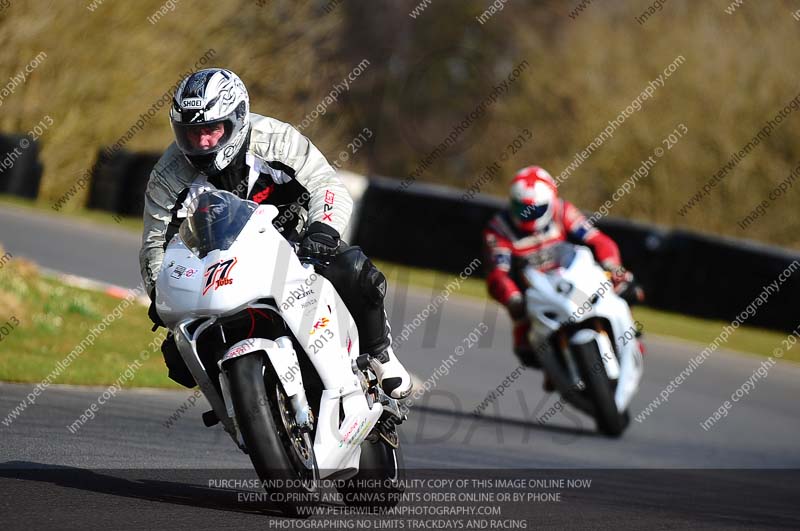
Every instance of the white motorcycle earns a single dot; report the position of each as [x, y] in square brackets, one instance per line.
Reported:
[587, 338]
[276, 354]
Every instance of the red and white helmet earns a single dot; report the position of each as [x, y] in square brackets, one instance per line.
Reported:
[533, 195]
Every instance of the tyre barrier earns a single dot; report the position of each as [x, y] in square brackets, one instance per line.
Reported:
[119, 181]
[20, 168]
[423, 226]
[108, 176]
[705, 276]
[439, 227]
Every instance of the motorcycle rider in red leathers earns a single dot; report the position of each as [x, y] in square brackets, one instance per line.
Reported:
[537, 219]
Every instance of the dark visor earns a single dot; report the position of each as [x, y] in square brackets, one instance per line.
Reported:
[525, 212]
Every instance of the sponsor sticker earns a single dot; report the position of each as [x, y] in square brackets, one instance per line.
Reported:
[178, 271]
[327, 208]
[319, 325]
[192, 103]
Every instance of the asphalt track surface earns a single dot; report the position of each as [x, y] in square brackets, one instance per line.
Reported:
[127, 469]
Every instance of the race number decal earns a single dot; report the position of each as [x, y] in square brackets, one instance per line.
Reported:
[218, 275]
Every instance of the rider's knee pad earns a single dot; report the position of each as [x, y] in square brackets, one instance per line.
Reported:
[356, 277]
[373, 283]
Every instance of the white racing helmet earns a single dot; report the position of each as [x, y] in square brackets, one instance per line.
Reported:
[203, 100]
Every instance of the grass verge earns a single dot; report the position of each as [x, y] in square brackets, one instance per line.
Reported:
[43, 321]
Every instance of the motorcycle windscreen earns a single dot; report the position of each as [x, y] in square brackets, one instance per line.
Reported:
[548, 258]
[214, 221]
[564, 254]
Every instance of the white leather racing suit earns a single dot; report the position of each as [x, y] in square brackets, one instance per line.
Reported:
[282, 163]
[278, 166]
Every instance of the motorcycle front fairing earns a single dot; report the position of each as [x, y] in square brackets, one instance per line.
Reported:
[559, 297]
[260, 265]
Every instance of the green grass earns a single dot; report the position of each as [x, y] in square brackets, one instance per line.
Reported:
[426, 278]
[746, 339]
[53, 319]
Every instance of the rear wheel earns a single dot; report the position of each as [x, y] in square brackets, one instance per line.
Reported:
[282, 455]
[379, 482]
[599, 390]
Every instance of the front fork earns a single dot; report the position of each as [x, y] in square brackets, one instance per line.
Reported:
[283, 358]
[567, 376]
[607, 353]
[572, 369]
[187, 346]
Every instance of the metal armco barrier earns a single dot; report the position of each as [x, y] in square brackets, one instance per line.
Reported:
[705, 276]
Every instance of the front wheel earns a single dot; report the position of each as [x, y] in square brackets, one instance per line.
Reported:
[600, 390]
[282, 456]
[379, 483]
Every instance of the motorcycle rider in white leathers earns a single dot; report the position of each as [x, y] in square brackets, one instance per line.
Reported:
[219, 142]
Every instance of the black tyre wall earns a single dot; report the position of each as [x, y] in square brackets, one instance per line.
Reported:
[22, 176]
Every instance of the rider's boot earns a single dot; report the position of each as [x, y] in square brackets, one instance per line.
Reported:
[527, 354]
[363, 288]
[392, 376]
[522, 345]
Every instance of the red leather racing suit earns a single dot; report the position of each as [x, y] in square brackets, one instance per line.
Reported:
[508, 249]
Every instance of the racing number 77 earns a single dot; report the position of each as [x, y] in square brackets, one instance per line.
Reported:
[217, 274]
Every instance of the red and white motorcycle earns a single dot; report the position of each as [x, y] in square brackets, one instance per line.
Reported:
[587, 338]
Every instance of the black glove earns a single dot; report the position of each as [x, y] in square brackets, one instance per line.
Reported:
[620, 277]
[321, 241]
[625, 284]
[516, 307]
[152, 313]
